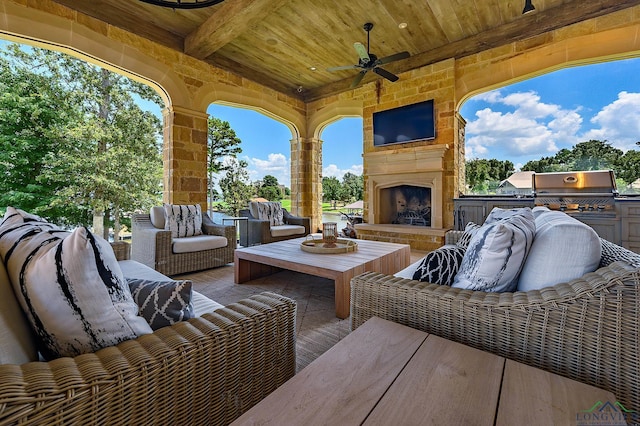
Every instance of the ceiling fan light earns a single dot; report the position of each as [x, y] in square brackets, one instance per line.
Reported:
[528, 7]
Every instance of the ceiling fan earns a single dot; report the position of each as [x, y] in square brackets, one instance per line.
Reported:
[370, 62]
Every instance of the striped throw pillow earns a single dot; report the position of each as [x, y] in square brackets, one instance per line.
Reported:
[183, 220]
[70, 286]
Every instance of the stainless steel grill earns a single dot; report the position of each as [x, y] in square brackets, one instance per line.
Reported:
[578, 191]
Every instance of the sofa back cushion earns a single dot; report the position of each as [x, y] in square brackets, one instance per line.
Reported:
[156, 214]
[17, 342]
[563, 249]
[70, 286]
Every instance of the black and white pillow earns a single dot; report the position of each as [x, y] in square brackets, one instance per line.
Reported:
[469, 231]
[70, 286]
[162, 303]
[440, 266]
[497, 251]
[271, 211]
[183, 220]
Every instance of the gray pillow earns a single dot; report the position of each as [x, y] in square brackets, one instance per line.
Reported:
[497, 251]
[162, 303]
[469, 231]
[440, 266]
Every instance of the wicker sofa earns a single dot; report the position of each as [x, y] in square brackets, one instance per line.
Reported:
[153, 247]
[587, 329]
[206, 371]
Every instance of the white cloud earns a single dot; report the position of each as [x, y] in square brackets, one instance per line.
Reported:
[531, 129]
[276, 165]
[619, 122]
[333, 171]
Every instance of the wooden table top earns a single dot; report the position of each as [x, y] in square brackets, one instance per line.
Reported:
[388, 374]
[289, 252]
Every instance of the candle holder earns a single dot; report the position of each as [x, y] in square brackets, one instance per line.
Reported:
[329, 234]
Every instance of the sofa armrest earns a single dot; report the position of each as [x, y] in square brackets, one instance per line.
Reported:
[297, 220]
[208, 370]
[452, 237]
[578, 329]
[121, 249]
[259, 230]
[211, 228]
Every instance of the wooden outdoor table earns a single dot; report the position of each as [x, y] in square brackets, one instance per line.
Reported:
[258, 261]
[384, 373]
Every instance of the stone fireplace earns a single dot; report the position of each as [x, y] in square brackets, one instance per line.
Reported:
[403, 201]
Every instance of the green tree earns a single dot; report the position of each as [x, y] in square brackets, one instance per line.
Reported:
[235, 185]
[34, 114]
[352, 187]
[594, 155]
[222, 143]
[331, 188]
[627, 166]
[270, 189]
[90, 173]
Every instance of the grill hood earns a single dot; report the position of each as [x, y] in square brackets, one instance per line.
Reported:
[587, 183]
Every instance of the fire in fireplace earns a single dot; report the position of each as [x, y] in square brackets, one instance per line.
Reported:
[406, 205]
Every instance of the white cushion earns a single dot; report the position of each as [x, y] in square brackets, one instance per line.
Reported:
[17, 343]
[156, 214]
[497, 251]
[132, 269]
[287, 230]
[408, 271]
[70, 285]
[563, 249]
[183, 220]
[197, 243]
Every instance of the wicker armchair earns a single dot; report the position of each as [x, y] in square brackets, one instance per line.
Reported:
[153, 247]
[205, 371]
[587, 329]
[259, 231]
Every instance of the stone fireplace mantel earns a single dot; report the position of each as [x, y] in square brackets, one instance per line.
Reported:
[420, 167]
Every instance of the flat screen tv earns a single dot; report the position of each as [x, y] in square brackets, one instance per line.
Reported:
[404, 124]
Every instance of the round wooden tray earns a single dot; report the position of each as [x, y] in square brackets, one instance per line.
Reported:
[316, 246]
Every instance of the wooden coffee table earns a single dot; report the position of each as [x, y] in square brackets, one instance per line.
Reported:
[384, 373]
[258, 261]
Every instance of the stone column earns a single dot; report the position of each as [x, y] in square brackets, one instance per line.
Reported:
[184, 156]
[306, 180]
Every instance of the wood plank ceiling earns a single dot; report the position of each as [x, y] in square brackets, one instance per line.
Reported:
[278, 42]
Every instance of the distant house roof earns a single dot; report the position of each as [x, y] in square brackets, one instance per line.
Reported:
[259, 200]
[520, 180]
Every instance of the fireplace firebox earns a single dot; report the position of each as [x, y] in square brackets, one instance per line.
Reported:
[405, 205]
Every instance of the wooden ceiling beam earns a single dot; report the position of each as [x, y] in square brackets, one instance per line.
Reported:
[232, 19]
[528, 26]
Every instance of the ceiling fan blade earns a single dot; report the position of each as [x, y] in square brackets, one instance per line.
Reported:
[362, 51]
[386, 74]
[391, 58]
[343, 67]
[358, 79]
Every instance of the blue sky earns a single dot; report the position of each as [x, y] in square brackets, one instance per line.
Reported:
[536, 118]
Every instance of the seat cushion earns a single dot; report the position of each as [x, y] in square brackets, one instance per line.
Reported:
[183, 220]
[132, 269]
[70, 285]
[563, 249]
[287, 230]
[198, 243]
[497, 251]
